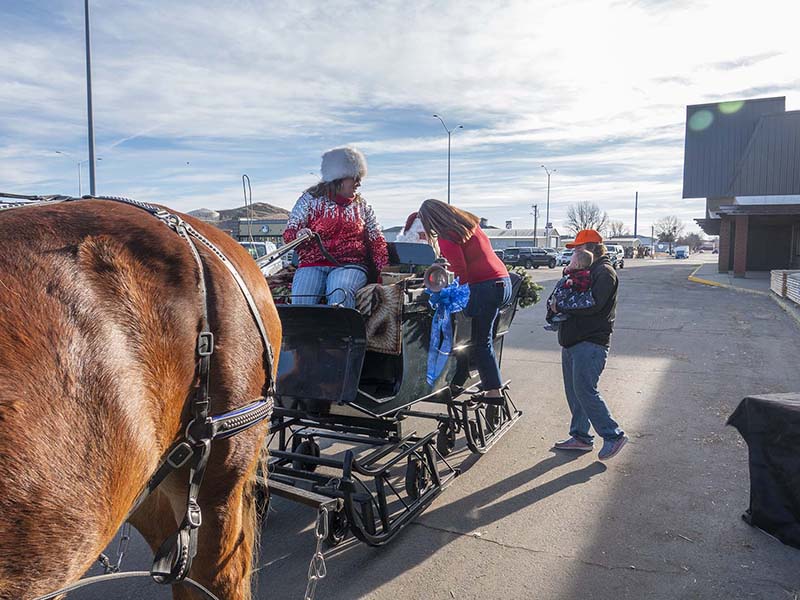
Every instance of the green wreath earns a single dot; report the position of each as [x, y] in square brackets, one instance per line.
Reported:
[529, 290]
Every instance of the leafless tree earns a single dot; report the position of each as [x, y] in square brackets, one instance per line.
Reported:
[669, 229]
[586, 215]
[618, 229]
[693, 240]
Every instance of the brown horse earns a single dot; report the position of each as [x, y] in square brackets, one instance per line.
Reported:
[99, 317]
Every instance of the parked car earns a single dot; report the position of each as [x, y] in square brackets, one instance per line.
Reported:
[500, 254]
[564, 257]
[617, 255]
[259, 249]
[528, 258]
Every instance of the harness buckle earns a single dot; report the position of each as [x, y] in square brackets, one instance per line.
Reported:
[205, 343]
[194, 516]
[200, 432]
[180, 455]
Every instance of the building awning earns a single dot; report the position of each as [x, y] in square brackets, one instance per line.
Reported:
[709, 226]
[760, 209]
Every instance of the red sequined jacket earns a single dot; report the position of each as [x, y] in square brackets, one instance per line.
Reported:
[349, 231]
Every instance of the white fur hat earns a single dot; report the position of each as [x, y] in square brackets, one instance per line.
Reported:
[339, 163]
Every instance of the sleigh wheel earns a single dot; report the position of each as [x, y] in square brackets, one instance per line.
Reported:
[308, 448]
[338, 526]
[445, 439]
[416, 477]
[493, 417]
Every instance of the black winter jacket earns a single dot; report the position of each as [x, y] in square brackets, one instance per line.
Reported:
[593, 324]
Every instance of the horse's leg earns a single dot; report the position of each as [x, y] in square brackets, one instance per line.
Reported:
[155, 519]
[227, 542]
[229, 534]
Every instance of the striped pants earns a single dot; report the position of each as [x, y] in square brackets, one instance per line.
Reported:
[338, 284]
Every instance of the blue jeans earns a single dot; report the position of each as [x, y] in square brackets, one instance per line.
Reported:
[338, 284]
[485, 301]
[582, 365]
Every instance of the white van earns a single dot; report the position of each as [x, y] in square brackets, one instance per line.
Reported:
[681, 251]
[259, 249]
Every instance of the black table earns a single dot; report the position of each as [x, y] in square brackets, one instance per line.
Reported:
[770, 424]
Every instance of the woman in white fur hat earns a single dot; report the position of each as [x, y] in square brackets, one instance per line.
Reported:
[335, 210]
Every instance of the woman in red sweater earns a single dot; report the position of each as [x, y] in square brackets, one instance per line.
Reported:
[347, 227]
[462, 242]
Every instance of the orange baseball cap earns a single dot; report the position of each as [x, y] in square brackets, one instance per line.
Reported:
[586, 236]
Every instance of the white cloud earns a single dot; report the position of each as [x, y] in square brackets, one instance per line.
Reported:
[597, 89]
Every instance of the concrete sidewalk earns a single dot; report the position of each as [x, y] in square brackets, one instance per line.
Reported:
[754, 282]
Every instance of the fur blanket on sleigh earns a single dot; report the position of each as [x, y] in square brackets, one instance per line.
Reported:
[381, 306]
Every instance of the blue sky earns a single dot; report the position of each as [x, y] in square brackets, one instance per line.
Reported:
[190, 95]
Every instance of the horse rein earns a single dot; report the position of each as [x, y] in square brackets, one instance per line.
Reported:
[173, 559]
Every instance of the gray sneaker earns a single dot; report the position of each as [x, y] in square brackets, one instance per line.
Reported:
[573, 444]
[612, 447]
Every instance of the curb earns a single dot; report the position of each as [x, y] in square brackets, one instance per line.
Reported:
[788, 309]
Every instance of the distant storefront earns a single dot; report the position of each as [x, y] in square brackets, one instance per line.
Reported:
[262, 230]
[516, 238]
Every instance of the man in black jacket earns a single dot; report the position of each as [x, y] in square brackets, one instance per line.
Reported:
[584, 340]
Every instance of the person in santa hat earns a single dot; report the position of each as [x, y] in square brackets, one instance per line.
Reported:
[347, 226]
[413, 232]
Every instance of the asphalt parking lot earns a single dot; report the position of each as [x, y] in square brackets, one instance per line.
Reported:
[659, 521]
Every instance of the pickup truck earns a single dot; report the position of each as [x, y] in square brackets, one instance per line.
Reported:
[528, 258]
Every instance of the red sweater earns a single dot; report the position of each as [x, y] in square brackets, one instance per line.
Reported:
[474, 260]
[348, 229]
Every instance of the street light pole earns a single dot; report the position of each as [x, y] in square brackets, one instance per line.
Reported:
[547, 211]
[92, 188]
[449, 132]
[80, 166]
[535, 224]
[78, 162]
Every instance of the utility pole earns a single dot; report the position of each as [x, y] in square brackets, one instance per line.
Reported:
[636, 214]
[652, 241]
[535, 223]
[547, 212]
[92, 188]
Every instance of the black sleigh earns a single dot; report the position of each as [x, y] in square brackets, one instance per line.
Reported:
[343, 435]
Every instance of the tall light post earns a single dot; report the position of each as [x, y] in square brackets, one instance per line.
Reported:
[547, 211]
[92, 188]
[449, 133]
[67, 154]
[80, 165]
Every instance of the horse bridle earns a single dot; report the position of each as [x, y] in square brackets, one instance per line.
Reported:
[173, 559]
